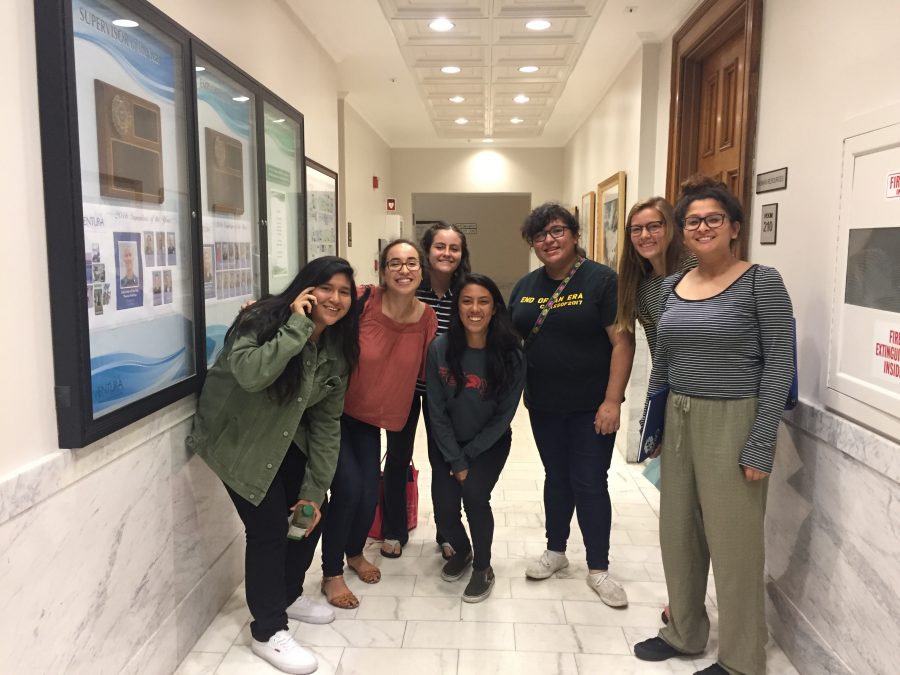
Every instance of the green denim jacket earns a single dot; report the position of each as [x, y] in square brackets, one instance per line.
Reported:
[243, 434]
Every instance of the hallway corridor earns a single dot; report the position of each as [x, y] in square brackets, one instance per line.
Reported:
[413, 622]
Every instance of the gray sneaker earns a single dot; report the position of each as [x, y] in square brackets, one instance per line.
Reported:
[609, 591]
[547, 565]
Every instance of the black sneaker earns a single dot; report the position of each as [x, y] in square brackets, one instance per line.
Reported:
[455, 567]
[479, 586]
[655, 649]
[714, 669]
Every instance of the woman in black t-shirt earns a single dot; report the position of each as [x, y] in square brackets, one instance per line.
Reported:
[578, 365]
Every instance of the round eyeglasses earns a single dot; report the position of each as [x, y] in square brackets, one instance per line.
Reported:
[653, 227]
[556, 232]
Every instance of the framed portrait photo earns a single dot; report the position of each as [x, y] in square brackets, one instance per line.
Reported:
[609, 234]
[587, 216]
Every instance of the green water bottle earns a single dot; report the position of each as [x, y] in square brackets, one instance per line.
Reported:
[300, 521]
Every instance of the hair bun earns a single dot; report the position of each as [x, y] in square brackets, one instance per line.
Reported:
[699, 183]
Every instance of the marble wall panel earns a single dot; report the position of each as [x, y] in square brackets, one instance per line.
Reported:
[833, 541]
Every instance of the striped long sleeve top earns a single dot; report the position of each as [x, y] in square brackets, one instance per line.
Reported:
[737, 344]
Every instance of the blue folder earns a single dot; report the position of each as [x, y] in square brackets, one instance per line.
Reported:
[651, 434]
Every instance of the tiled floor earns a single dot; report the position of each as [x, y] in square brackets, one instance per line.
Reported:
[414, 622]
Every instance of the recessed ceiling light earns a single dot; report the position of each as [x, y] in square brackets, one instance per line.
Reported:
[450, 70]
[441, 25]
[199, 69]
[538, 24]
[487, 140]
[240, 99]
[521, 98]
[457, 99]
[461, 120]
[516, 120]
[279, 120]
[125, 23]
[528, 69]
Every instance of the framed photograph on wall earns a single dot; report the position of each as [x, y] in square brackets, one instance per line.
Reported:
[586, 218]
[321, 210]
[609, 238]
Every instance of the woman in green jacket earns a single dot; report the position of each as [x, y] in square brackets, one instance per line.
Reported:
[268, 424]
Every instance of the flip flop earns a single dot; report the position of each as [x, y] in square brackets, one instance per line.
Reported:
[391, 548]
[345, 600]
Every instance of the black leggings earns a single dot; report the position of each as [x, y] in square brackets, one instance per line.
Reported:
[475, 493]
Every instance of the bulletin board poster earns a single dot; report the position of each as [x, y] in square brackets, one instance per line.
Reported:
[321, 211]
[226, 130]
[284, 165]
[864, 359]
[136, 213]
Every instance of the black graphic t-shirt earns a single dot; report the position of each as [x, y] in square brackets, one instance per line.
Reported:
[568, 360]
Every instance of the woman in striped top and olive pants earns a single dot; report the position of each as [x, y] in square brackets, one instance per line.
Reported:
[725, 350]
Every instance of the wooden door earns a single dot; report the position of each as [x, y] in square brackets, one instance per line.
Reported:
[721, 118]
[715, 79]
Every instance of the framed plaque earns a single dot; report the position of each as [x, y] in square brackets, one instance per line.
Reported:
[116, 134]
[321, 210]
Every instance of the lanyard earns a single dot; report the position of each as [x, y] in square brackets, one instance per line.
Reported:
[551, 302]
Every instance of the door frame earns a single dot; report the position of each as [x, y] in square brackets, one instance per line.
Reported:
[704, 31]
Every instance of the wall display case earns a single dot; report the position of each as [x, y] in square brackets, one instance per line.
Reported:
[321, 210]
[153, 150]
[116, 143]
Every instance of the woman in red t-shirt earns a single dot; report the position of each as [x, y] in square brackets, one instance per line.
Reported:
[395, 329]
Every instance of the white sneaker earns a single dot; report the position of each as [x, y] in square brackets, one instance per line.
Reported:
[309, 612]
[549, 563]
[609, 591]
[283, 652]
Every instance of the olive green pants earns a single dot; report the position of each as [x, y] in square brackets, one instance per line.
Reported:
[709, 511]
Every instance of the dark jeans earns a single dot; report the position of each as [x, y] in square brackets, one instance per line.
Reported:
[576, 460]
[275, 566]
[475, 493]
[400, 445]
[354, 492]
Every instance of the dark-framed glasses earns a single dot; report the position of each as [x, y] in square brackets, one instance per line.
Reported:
[395, 264]
[653, 227]
[712, 220]
[556, 232]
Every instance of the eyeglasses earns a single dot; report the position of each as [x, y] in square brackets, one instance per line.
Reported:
[556, 232]
[712, 220]
[395, 265]
[653, 227]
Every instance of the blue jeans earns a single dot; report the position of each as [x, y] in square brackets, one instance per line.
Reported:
[354, 493]
[576, 460]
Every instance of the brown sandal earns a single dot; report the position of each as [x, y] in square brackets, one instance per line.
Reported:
[345, 600]
[369, 576]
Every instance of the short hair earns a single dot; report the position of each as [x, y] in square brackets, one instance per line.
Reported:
[545, 214]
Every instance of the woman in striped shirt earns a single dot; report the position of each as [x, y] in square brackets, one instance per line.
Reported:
[446, 262]
[725, 350]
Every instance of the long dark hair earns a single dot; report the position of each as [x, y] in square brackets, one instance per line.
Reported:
[504, 346]
[265, 318]
[428, 239]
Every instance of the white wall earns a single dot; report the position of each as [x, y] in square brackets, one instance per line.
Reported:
[365, 154]
[609, 140]
[537, 171]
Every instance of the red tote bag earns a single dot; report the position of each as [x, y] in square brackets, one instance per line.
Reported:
[412, 503]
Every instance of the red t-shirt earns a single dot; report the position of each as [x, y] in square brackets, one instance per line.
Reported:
[391, 358]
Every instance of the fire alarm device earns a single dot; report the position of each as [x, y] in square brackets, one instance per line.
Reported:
[374, 182]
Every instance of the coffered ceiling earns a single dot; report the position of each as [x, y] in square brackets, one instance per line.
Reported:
[389, 63]
[490, 44]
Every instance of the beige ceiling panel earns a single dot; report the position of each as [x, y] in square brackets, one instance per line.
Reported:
[465, 32]
[433, 76]
[547, 9]
[432, 56]
[561, 31]
[431, 9]
[532, 89]
[545, 74]
[453, 89]
[538, 55]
